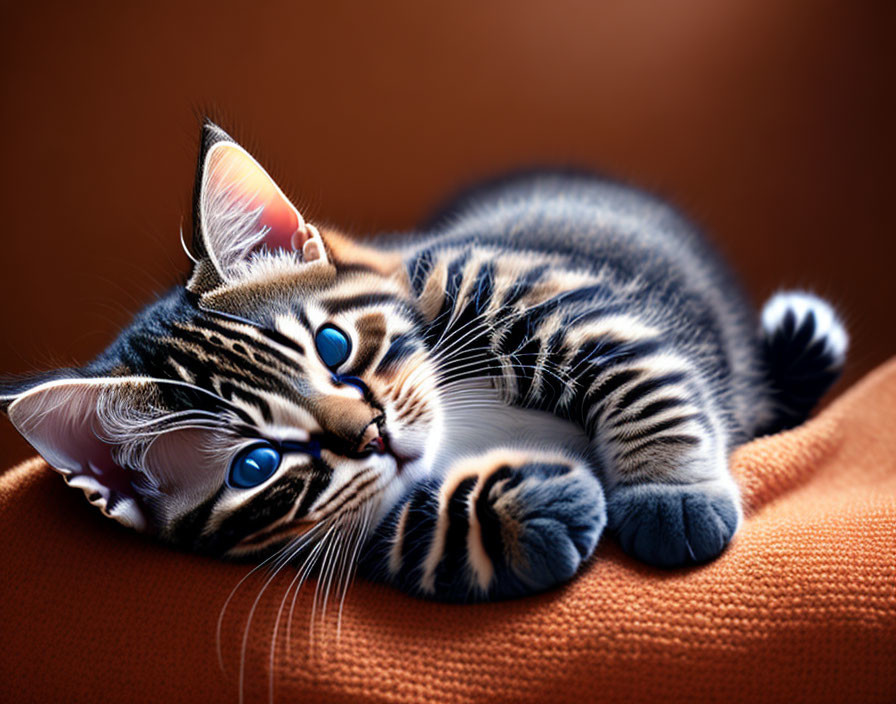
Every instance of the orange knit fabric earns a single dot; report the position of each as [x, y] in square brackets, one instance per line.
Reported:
[801, 608]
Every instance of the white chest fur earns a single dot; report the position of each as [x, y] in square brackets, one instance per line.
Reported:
[476, 420]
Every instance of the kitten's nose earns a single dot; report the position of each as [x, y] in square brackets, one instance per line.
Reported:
[372, 440]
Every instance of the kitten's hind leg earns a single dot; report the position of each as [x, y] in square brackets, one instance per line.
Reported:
[501, 524]
[670, 497]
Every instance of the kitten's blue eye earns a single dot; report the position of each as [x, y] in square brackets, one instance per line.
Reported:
[333, 345]
[253, 466]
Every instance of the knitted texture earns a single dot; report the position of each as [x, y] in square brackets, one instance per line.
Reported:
[800, 608]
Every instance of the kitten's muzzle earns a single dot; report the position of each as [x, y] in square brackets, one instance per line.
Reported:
[372, 439]
[376, 441]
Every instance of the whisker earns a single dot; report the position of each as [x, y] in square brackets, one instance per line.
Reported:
[467, 328]
[248, 627]
[325, 563]
[332, 560]
[233, 592]
[298, 576]
[361, 538]
[303, 574]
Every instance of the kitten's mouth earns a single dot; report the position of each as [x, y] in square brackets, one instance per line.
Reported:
[401, 460]
[382, 444]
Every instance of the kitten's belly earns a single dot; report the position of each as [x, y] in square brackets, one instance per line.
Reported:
[476, 420]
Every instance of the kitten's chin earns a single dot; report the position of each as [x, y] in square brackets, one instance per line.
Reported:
[414, 455]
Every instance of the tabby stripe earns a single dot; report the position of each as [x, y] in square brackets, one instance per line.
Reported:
[371, 330]
[348, 499]
[320, 480]
[229, 390]
[221, 362]
[265, 508]
[567, 298]
[347, 269]
[473, 306]
[453, 562]
[344, 488]
[271, 506]
[453, 281]
[274, 335]
[662, 441]
[517, 333]
[629, 437]
[203, 380]
[193, 523]
[551, 385]
[283, 340]
[642, 389]
[489, 521]
[298, 487]
[523, 285]
[397, 543]
[415, 411]
[419, 526]
[482, 569]
[484, 287]
[631, 351]
[582, 400]
[280, 535]
[455, 277]
[578, 319]
[418, 270]
[302, 318]
[525, 374]
[595, 349]
[545, 389]
[437, 544]
[520, 330]
[362, 300]
[477, 294]
[651, 409]
[237, 362]
[400, 347]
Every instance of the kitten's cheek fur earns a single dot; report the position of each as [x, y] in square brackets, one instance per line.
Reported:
[421, 441]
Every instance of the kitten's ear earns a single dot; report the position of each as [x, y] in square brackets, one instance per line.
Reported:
[237, 209]
[59, 419]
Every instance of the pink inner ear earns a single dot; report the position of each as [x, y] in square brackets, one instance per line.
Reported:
[236, 177]
[283, 223]
[59, 420]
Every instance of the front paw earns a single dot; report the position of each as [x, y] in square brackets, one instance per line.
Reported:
[671, 525]
[503, 524]
[538, 521]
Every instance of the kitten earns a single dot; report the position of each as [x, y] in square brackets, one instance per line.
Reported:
[462, 411]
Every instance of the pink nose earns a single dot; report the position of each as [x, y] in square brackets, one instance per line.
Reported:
[377, 444]
[372, 441]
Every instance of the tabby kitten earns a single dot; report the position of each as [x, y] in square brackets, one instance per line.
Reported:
[450, 408]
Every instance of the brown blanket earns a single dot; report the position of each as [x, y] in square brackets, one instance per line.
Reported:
[801, 608]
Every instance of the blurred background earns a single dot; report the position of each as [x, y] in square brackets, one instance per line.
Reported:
[770, 122]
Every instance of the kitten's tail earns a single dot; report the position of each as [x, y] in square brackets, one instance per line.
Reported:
[804, 344]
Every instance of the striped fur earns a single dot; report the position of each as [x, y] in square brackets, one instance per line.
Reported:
[556, 354]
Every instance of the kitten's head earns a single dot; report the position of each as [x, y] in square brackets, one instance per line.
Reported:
[283, 390]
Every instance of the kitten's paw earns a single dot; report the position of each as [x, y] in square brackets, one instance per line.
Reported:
[670, 525]
[502, 524]
[538, 518]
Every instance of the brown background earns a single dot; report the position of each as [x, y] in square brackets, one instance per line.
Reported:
[769, 121]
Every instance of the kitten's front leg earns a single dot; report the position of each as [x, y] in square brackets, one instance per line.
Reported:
[502, 524]
[670, 497]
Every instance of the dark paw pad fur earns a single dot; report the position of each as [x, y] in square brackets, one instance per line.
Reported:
[670, 525]
[550, 520]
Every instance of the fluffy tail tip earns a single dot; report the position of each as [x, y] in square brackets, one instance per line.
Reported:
[805, 345]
